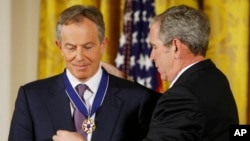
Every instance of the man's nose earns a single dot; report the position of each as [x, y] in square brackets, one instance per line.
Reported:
[79, 53]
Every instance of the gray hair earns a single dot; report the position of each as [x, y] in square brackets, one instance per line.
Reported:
[76, 13]
[187, 24]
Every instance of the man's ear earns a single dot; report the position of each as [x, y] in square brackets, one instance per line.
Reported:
[58, 44]
[177, 44]
[104, 44]
[178, 48]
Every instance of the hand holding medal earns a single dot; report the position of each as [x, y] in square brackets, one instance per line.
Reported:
[63, 135]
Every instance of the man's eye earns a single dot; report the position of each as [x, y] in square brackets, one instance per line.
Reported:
[70, 48]
[88, 47]
[154, 47]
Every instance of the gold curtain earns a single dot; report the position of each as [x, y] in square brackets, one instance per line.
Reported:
[228, 46]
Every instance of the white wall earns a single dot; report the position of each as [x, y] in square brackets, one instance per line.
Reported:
[5, 61]
[19, 27]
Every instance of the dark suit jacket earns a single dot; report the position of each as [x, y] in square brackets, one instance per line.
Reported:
[199, 107]
[42, 107]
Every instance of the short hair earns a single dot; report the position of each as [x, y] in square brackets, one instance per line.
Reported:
[76, 13]
[189, 25]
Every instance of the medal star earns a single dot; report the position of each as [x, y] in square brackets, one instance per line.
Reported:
[88, 126]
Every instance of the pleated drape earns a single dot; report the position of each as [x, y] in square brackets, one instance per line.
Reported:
[229, 44]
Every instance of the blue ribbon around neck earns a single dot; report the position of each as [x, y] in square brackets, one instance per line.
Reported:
[75, 98]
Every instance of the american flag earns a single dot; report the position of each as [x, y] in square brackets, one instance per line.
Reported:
[133, 55]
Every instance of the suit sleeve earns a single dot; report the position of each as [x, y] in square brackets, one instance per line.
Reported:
[21, 123]
[177, 116]
[146, 110]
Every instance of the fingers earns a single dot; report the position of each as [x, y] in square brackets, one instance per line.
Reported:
[61, 132]
[112, 70]
[63, 135]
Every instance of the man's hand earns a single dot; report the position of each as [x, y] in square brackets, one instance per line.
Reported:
[112, 70]
[63, 135]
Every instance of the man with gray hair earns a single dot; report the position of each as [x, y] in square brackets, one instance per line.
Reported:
[199, 105]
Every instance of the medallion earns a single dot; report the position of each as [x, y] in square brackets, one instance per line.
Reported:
[88, 126]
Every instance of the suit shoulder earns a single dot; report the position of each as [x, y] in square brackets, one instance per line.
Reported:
[121, 83]
[43, 82]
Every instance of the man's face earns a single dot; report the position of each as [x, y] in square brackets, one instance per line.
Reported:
[81, 48]
[162, 55]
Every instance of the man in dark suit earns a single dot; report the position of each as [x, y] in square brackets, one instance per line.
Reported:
[199, 104]
[114, 109]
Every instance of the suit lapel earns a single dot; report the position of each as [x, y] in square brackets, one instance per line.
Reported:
[107, 115]
[59, 107]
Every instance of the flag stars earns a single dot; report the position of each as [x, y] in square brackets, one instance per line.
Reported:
[145, 81]
[141, 61]
[148, 82]
[144, 61]
[122, 40]
[134, 38]
[119, 60]
[147, 41]
[134, 44]
[142, 40]
[148, 63]
[127, 17]
[132, 61]
[136, 16]
[141, 81]
[144, 16]
[152, 4]
[150, 19]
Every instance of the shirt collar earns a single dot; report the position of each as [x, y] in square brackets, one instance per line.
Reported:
[180, 73]
[92, 83]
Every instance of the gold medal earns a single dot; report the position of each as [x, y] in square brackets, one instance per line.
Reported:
[88, 126]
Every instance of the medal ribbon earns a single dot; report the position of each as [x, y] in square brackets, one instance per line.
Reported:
[77, 100]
